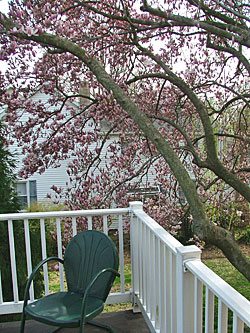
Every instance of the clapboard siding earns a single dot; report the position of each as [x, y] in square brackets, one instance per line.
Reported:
[58, 176]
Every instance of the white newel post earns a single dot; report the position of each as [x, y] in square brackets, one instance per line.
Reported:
[188, 314]
[134, 248]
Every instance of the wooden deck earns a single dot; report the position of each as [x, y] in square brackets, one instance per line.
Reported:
[121, 322]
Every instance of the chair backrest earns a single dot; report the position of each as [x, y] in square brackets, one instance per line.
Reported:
[86, 254]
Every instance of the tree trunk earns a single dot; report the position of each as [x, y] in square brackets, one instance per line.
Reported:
[201, 225]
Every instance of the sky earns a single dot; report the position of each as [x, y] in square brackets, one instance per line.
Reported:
[4, 9]
[4, 6]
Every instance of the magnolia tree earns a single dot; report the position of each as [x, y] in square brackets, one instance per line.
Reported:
[171, 81]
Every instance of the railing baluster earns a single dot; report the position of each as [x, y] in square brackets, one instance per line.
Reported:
[74, 226]
[164, 290]
[145, 265]
[105, 224]
[140, 259]
[156, 268]
[154, 280]
[44, 256]
[14, 305]
[168, 289]
[59, 248]
[238, 325]
[1, 290]
[174, 293]
[198, 303]
[28, 255]
[148, 277]
[154, 273]
[13, 260]
[171, 291]
[217, 287]
[209, 312]
[121, 252]
[151, 309]
[222, 317]
[90, 224]
[159, 308]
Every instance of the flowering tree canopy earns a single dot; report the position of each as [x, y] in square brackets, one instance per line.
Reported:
[170, 79]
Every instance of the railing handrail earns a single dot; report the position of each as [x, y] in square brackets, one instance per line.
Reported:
[59, 217]
[159, 231]
[157, 261]
[72, 213]
[230, 297]
[169, 281]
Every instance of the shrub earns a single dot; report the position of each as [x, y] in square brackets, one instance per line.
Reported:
[46, 206]
[9, 204]
[20, 260]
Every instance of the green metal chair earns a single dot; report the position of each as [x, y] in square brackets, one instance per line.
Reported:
[90, 265]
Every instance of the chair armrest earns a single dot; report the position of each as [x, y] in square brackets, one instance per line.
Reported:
[88, 289]
[27, 287]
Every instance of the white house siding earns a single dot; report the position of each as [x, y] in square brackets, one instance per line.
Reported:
[52, 176]
[58, 176]
[104, 159]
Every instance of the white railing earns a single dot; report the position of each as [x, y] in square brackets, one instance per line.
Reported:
[169, 283]
[40, 220]
[173, 289]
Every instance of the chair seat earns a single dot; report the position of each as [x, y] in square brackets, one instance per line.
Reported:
[63, 309]
[90, 264]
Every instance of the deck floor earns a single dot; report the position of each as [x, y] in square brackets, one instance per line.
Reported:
[121, 322]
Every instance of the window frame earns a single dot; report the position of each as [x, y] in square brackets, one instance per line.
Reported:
[29, 198]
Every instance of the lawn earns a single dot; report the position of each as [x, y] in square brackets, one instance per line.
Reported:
[54, 284]
[221, 266]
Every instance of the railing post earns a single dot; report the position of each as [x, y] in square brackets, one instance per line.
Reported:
[134, 248]
[136, 205]
[186, 289]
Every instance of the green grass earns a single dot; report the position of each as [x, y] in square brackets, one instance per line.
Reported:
[54, 286]
[117, 284]
[223, 268]
[54, 282]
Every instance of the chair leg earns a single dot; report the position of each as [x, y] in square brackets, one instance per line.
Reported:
[108, 328]
[81, 328]
[22, 323]
[58, 329]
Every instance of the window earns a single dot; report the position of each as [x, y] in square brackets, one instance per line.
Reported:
[105, 125]
[26, 192]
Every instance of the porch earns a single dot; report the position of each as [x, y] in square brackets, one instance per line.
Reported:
[174, 291]
[121, 321]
